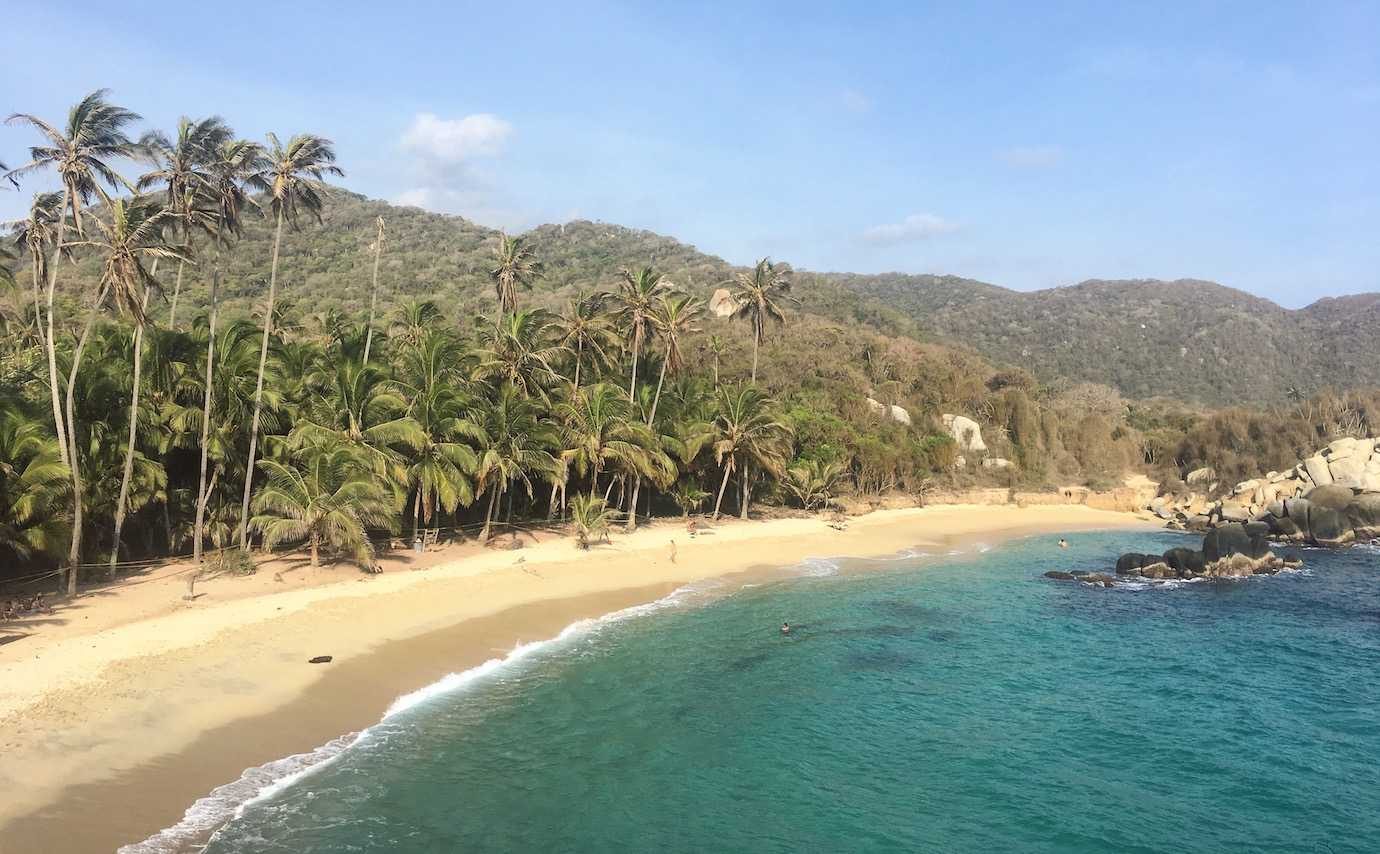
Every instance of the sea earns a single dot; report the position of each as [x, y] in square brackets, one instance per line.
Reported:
[947, 702]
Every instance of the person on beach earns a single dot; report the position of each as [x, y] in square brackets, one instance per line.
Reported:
[691, 527]
[673, 551]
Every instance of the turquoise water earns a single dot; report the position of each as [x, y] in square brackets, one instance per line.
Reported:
[967, 706]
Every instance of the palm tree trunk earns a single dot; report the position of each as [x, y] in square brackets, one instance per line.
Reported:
[632, 505]
[551, 505]
[203, 494]
[579, 357]
[488, 515]
[723, 485]
[315, 560]
[510, 507]
[50, 343]
[656, 398]
[417, 514]
[374, 293]
[74, 554]
[745, 492]
[259, 384]
[632, 385]
[129, 447]
[756, 345]
[177, 291]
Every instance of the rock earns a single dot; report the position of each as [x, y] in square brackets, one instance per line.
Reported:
[1057, 575]
[722, 304]
[1297, 509]
[1185, 562]
[1257, 529]
[1364, 514]
[1234, 511]
[1258, 547]
[889, 410]
[1131, 562]
[960, 461]
[1349, 471]
[1283, 526]
[1200, 477]
[1343, 447]
[1333, 497]
[1158, 569]
[1245, 486]
[321, 659]
[1224, 541]
[1199, 523]
[1274, 477]
[966, 433]
[1328, 527]
[996, 463]
[1317, 469]
[1098, 580]
[1276, 509]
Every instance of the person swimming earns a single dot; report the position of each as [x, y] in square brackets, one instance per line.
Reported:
[1063, 543]
[785, 628]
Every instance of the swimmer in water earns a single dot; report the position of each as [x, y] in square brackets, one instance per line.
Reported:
[785, 628]
[1063, 543]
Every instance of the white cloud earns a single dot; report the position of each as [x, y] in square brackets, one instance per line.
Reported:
[1032, 156]
[912, 229]
[454, 141]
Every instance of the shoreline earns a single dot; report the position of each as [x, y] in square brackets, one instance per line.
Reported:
[135, 727]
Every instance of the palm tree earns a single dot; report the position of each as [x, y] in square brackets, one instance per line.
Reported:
[518, 351]
[441, 469]
[591, 517]
[38, 233]
[294, 174]
[412, 320]
[717, 348]
[374, 291]
[133, 235]
[636, 298]
[329, 498]
[94, 134]
[515, 265]
[673, 318]
[749, 433]
[180, 168]
[584, 326]
[514, 445]
[813, 482]
[601, 433]
[33, 484]
[232, 169]
[758, 298]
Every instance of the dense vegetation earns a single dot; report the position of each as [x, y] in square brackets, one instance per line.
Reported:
[226, 351]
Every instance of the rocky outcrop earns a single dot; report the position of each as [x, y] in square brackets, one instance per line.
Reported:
[722, 304]
[892, 411]
[1232, 550]
[966, 433]
[1328, 499]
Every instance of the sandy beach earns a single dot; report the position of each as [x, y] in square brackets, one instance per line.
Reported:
[122, 708]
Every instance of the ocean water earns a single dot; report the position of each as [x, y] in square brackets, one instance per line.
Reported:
[944, 703]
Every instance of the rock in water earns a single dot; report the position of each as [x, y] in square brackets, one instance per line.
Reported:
[1258, 529]
[1364, 514]
[1131, 562]
[1225, 541]
[1185, 562]
[1328, 527]
[1057, 575]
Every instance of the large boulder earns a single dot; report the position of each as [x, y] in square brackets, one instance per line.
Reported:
[966, 433]
[1257, 548]
[722, 304]
[1131, 562]
[1185, 562]
[1200, 477]
[1317, 469]
[1328, 527]
[1283, 526]
[1364, 513]
[1235, 511]
[1332, 496]
[1257, 529]
[1224, 541]
[892, 411]
[1349, 471]
[1297, 509]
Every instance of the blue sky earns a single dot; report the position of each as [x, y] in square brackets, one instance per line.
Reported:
[1029, 145]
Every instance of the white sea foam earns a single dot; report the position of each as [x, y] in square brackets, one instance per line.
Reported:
[818, 567]
[262, 782]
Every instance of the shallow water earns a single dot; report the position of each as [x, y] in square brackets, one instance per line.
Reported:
[969, 706]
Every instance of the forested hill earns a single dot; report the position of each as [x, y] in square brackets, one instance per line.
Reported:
[1189, 339]
[1186, 339]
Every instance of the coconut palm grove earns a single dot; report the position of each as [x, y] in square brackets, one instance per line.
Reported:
[138, 425]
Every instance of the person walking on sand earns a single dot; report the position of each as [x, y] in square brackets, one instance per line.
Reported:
[691, 527]
[673, 551]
